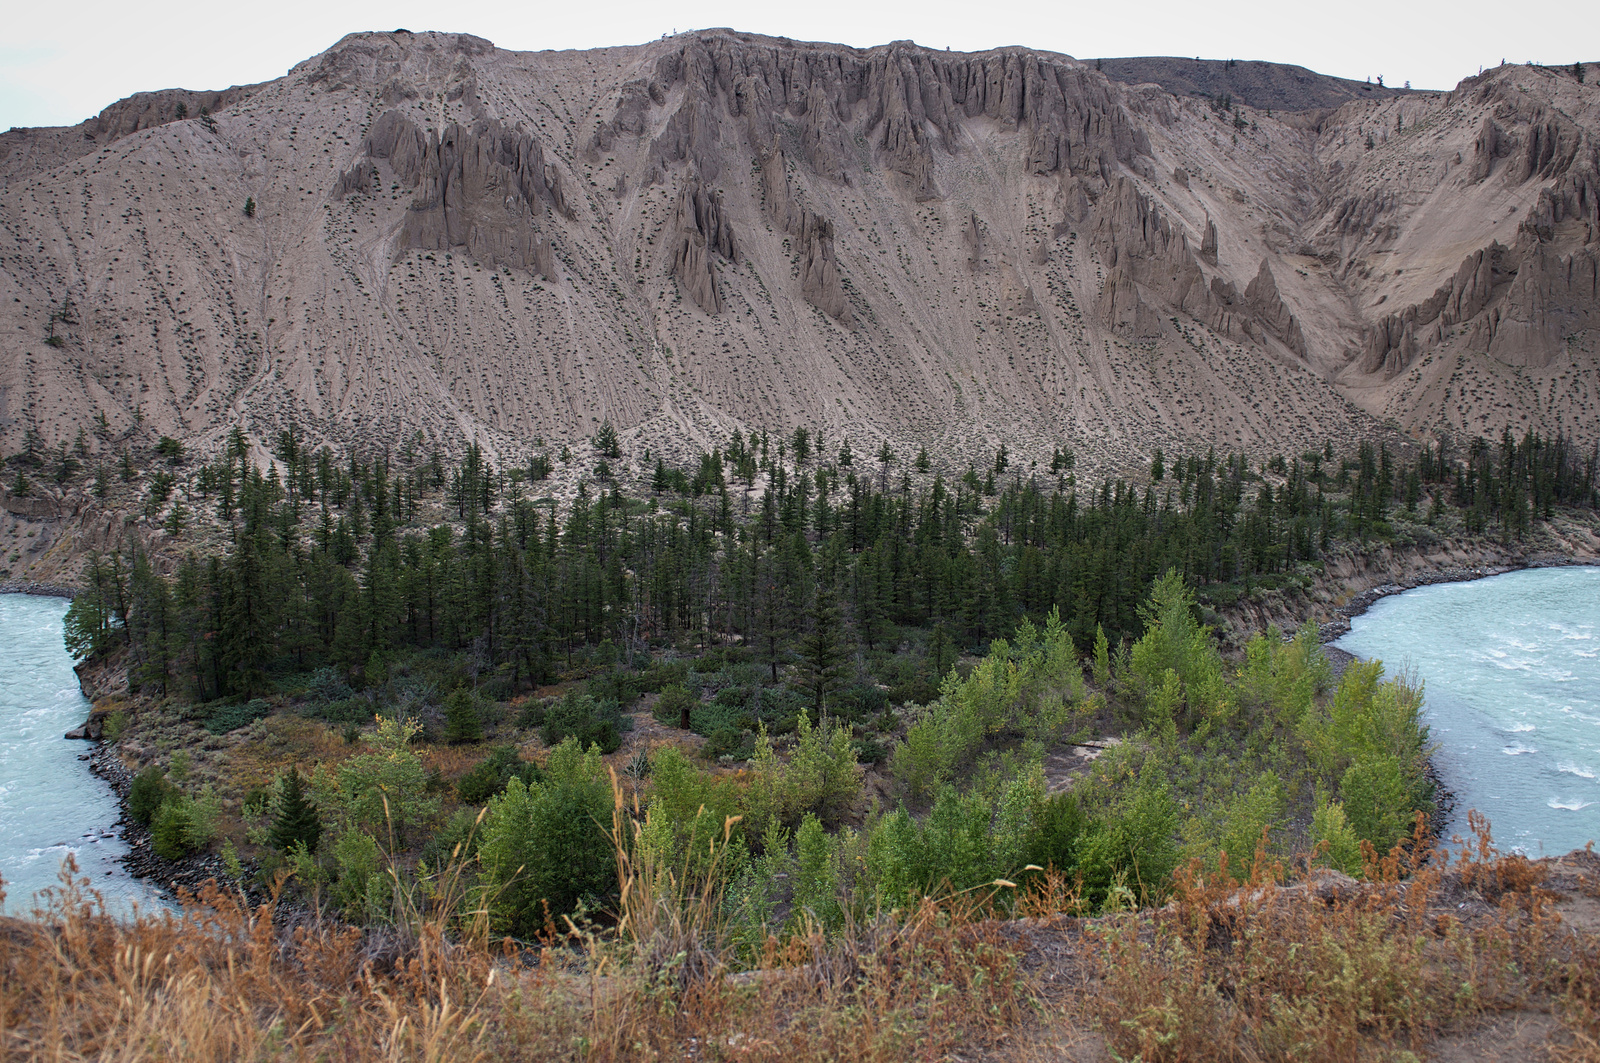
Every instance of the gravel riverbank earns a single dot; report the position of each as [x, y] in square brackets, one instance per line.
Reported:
[142, 861]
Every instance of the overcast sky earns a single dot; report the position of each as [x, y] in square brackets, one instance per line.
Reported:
[60, 65]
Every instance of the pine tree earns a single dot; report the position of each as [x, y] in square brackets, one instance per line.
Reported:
[296, 819]
[822, 650]
[461, 718]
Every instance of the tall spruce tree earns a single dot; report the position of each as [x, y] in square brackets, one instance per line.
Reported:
[296, 819]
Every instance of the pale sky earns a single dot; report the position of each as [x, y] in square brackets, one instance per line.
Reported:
[60, 65]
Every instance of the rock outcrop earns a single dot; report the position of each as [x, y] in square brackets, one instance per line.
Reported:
[482, 187]
[703, 230]
[419, 232]
[820, 281]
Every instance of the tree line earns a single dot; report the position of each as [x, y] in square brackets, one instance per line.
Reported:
[331, 562]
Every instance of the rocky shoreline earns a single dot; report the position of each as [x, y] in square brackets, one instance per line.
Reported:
[43, 590]
[142, 861]
[1340, 625]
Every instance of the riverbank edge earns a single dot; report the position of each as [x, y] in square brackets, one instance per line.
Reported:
[168, 877]
[1339, 627]
[37, 589]
[1445, 799]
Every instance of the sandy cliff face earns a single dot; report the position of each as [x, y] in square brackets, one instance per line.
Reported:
[720, 230]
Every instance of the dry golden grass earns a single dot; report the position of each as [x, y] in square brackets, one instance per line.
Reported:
[1324, 969]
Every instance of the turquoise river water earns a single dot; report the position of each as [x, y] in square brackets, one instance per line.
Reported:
[50, 803]
[1512, 672]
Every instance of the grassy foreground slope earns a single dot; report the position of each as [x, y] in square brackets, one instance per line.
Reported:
[1486, 957]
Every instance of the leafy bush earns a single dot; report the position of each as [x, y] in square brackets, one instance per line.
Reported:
[1132, 846]
[148, 793]
[821, 777]
[183, 825]
[1033, 688]
[490, 775]
[585, 719]
[970, 840]
[456, 841]
[816, 880]
[1331, 830]
[533, 714]
[169, 831]
[546, 844]
[385, 788]
[687, 811]
[361, 888]
[1175, 641]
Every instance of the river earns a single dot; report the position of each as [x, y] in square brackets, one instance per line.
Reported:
[50, 803]
[1511, 665]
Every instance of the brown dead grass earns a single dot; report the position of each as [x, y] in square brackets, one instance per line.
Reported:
[1468, 956]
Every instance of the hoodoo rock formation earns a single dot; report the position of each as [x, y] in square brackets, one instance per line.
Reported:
[424, 233]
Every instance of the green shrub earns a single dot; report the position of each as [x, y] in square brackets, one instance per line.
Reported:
[869, 751]
[672, 704]
[723, 742]
[547, 844]
[658, 677]
[1379, 801]
[861, 701]
[454, 842]
[386, 788]
[1175, 641]
[918, 691]
[327, 685]
[183, 825]
[1331, 829]
[169, 831]
[951, 849]
[1133, 845]
[1030, 689]
[688, 810]
[225, 718]
[581, 717]
[618, 686]
[361, 888]
[490, 775]
[821, 777]
[816, 879]
[148, 793]
[533, 714]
